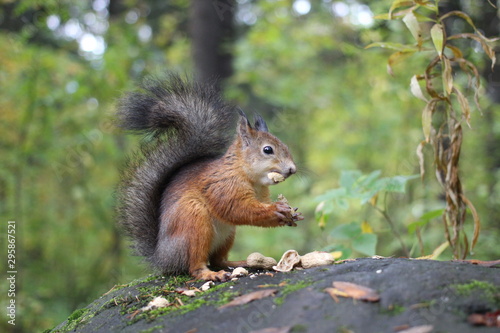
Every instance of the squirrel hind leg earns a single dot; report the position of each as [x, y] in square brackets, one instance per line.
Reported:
[219, 257]
[203, 273]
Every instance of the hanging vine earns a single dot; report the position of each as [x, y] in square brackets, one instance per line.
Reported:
[446, 107]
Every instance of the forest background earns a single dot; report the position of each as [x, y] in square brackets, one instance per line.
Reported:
[301, 64]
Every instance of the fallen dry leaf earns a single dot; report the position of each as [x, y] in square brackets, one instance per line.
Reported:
[418, 329]
[492, 263]
[401, 327]
[352, 290]
[157, 302]
[489, 319]
[187, 292]
[207, 285]
[247, 298]
[345, 260]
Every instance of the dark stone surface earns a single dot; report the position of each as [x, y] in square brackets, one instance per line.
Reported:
[412, 293]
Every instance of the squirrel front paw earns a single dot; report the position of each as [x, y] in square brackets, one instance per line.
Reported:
[287, 215]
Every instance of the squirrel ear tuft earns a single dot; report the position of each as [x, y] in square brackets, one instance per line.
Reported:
[244, 129]
[260, 124]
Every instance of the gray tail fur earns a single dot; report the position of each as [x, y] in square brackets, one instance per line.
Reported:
[184, 122]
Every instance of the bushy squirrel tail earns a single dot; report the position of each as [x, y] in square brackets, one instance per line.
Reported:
[182, 122]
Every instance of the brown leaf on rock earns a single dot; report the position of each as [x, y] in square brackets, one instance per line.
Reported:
[247, 298]
[284, 329]
[418, 329]
[489, 319]
[491, 263]
[352, 290]
[187, 292]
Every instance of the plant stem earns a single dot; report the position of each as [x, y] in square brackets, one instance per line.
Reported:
[393, 229]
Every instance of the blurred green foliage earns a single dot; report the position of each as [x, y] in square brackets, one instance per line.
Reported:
[308, 74]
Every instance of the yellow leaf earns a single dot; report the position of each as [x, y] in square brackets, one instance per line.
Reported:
[397, 4]
[336, 254]
[396, 57]
[457, 53]
[421, 160]
[437, 251]
[366, 228]
[427, 118]
[447, 76]
[464, 104]
[322, 222]
[477, 221]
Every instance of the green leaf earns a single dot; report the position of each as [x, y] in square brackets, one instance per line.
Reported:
[395, 184]
[412, 227]
[412, 24]
[438, 37]
[432, 214]
[346, 231]
[348, 178]
[367, 181]
[332, 194]
[324, 208]
[365, 243]
[424, 219]
[342, 204]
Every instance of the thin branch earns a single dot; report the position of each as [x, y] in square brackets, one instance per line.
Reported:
[393, 229]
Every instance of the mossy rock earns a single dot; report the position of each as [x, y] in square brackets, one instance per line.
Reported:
[412, 293]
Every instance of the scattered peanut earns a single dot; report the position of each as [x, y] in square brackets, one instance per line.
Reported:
[259, 261]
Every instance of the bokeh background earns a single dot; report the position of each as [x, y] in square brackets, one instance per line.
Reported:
[302, 64]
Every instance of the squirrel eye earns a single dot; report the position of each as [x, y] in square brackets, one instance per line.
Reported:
[268, 150]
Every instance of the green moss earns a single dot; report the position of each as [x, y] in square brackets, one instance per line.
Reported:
[77, 314]
[393, 310]
[290, 288]
[76, 318]
[299, 328]
[189, 303]
[488, 291]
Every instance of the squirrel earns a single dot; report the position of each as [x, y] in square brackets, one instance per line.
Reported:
[181, 197]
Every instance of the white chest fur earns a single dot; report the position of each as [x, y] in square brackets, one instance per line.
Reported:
[221, 232]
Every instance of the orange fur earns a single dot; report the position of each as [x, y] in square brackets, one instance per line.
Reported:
[205, 201]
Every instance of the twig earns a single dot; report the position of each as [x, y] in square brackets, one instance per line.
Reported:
[393, 229]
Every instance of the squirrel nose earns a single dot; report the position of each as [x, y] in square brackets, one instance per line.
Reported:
[292, 170]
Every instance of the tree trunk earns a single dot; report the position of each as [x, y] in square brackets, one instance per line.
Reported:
[212, 33]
